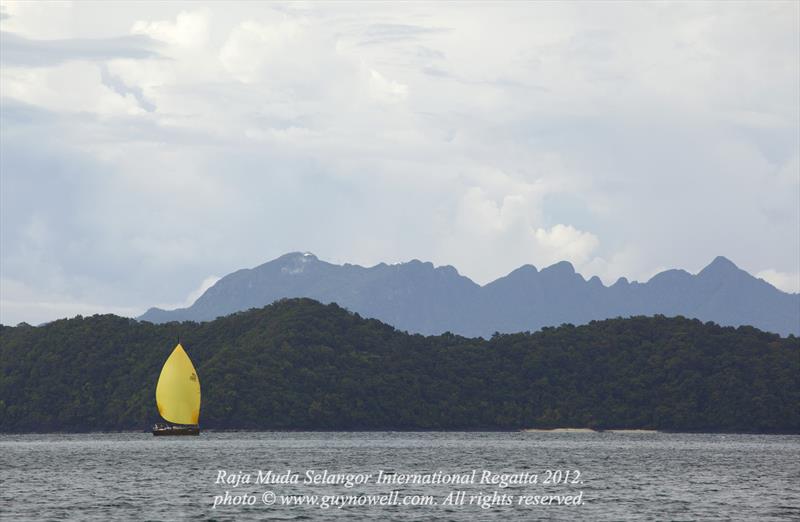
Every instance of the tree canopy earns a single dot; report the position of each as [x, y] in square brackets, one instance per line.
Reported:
[298, 364]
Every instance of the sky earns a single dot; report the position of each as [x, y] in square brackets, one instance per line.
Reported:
[148, 148]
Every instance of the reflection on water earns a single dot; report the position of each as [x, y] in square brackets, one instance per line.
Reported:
[623, 476]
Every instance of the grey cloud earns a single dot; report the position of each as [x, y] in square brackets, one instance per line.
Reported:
[384, 33]
[20, 51]
[52, 194]
[438, 72]
[25, 121]
[16, 113]
[120, 87]
[430, 54]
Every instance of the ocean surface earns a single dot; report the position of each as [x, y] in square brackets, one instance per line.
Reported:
[400, 476]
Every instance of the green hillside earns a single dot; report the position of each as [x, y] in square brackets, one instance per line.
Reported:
[298, 364]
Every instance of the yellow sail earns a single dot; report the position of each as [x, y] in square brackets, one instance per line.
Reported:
[178, 389]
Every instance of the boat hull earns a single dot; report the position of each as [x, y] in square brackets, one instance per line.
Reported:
[173, 431]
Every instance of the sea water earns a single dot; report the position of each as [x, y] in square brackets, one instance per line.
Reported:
[400, 476]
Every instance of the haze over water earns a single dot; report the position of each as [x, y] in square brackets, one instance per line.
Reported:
[630, 476]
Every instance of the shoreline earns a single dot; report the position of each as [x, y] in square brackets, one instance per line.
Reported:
[620, 431]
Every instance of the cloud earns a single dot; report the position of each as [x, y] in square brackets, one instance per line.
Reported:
[114, 82]
[17, 50]
[19, 303]
[623, 138]
[207, 283]
[256, 51]
[788, 282]
[503, 219]
[377, 34]
[190, 29]
[88, 93]
[565, 242]
[386, 90]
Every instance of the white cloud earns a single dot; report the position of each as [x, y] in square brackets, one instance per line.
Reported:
[190, 29]
[44, 87]
[501, 225]
[19, 302]
[37, 19]
[628, 262]
[254, 49]
[207, 283]
[565, 242]
[786, 281]
[386, 90]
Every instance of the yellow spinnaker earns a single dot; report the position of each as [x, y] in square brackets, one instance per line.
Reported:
[178, 389]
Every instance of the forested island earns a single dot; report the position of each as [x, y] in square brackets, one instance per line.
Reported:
[298, 364]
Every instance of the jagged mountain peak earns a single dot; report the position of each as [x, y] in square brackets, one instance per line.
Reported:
[524, 270]
[720, 264]
[420, 297]
[562, 267]
[622, 281]
[671, 276]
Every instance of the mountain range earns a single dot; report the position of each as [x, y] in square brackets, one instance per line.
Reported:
[420, 298]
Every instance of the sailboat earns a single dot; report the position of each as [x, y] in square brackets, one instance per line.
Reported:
[178, 396]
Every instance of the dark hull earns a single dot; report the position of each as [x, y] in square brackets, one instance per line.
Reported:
[171, 431]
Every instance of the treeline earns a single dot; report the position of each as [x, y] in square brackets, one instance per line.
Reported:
[298, 364]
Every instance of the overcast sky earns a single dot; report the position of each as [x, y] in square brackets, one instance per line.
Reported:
[148, 148]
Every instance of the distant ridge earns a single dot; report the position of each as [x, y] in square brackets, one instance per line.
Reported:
[420, 298]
